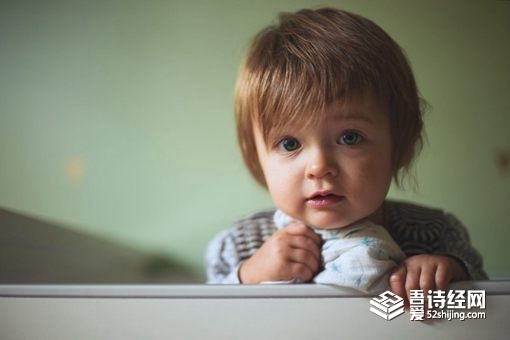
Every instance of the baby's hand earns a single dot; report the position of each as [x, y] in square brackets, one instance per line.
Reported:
[293, 252]
[426, 272]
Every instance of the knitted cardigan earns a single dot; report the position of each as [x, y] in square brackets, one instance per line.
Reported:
[416, 229]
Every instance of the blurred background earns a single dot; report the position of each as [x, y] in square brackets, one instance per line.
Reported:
[116, 120]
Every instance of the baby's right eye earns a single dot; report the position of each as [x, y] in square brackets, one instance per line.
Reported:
[288, 144]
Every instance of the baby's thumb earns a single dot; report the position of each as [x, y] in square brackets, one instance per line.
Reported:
[397, 280]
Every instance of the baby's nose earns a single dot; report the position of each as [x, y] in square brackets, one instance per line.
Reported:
[321, 164]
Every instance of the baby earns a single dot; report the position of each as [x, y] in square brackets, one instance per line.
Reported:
[327, 114]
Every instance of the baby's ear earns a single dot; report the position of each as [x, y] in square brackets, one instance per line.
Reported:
[281, 220]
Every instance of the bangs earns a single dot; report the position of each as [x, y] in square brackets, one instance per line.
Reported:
[294, 95]
[301, 104]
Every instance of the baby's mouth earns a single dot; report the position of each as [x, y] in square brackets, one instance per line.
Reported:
[324, 200]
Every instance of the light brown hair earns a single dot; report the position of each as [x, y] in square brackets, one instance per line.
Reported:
[295, 69]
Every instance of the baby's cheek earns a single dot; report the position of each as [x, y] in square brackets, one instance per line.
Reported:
[281, 191]
[277, 187]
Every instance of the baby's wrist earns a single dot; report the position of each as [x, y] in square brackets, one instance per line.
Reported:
[460, 272]
[244, 275]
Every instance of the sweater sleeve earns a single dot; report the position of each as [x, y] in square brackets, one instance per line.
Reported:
[457, 244]
[230, 248]
[423, 230]
[222, 260]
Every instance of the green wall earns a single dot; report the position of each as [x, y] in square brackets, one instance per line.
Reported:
[116, 116]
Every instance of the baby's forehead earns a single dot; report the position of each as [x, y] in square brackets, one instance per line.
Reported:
[360, 108]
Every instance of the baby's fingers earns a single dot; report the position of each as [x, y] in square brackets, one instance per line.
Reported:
[404, 279]
[299, 229]
[305, 243]
[305, 259]
[428, 278]
[397, 281]
[443, 276]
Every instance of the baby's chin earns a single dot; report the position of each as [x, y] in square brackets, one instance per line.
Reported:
[329, 227]
[324, 220]
[329, 223]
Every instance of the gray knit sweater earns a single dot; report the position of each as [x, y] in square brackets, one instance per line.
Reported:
[416, 229]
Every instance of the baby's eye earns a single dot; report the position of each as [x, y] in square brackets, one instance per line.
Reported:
[288, 144]
[350, 138]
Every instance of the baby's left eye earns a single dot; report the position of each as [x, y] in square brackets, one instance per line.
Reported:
[350, 138]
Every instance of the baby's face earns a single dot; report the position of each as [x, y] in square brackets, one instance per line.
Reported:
[335, 173]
